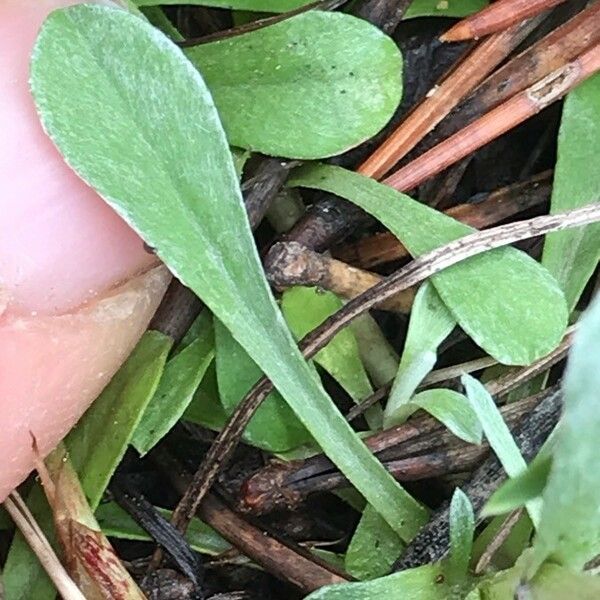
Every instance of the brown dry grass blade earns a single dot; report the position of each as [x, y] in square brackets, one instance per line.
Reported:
[88, 556]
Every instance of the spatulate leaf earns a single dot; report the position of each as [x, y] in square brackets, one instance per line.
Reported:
[144, 132]
[507, 302]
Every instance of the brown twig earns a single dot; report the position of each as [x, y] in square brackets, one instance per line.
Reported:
[418, 449]
[385, 14]
[431, 544]
[542, 58]
[288, 563]
[497, 16]
[497, 206]
[496, 542]
[498, 121]
[410, 275]
[444, 97]
[289, 264]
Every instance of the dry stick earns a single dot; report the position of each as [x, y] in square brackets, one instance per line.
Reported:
[278, 558]
[498, 121]
[545, 56]
[412, 451]
[444, 97]
[40, 546]
[432, 542]
[324, 5]
[496, 17]
[501, 536]
[497, 206]
[289, 264]
[415, 272]
[385, 14]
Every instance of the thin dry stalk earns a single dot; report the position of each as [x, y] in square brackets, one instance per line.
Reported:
[40, 546]
[497, 16]
[498, 121]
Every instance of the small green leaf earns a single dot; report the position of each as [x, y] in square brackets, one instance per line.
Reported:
[306, 308]
[98, 442]
[96, 446]
[180, 379]
[507, 302]
[374, 547]
[569, 532]
[518, 491]
[274, 427]
[115, 522]
[462, 528]
[145, 134]
[499, 436]
[453, 410]
[332, 79]
[206, 408]
[572, 255]
[423, 583]
[443, 8]
[430, 323]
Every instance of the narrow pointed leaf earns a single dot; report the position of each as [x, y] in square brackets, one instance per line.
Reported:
[144, 132]
[507, 302]
[572, 256]
[430, 323]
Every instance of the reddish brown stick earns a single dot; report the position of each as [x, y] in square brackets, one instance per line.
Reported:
[498, 121]
[442, 99]
[497, 16]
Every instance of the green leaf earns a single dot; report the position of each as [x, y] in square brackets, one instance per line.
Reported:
[453, 410]
[374, 547]
[206, 408]
[117, 412]
[115, 522]
[443, 8]
[520, 490]
[569, 532]
[430, 323]
[462, 528]
[306, 308]
[276, 6]
[145, 134]
[423, 583]
[96, 447]
[499, 436]
[274, 427]
[180, 379]
[508, 303]
[572, 255]
[331, 79]
[552, 582]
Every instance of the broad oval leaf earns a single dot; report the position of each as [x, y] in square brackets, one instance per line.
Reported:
[311, 86]
[135, 120]
[507, 302]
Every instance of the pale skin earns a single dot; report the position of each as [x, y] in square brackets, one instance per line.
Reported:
[77, 287]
